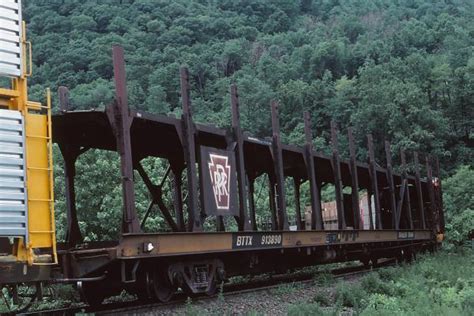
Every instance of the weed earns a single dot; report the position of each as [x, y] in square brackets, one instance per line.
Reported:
[373, 284]
[322, 299]
[324, 278]
[220, 295]
[286, 288]
[190, 309]
[350, 295]
[389, 274]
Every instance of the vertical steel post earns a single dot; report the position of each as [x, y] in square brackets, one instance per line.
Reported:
[354, 180]
[178, 197]
[297, 185]
[121, 119]
[336, 167]
[220, 223]
[70, 154]
[369, 206]
[73, 233]
[251, 186]
[374, 181]
[407, 193]
[391, 185]
[429, 180]
[244, 223]
[273, 207]
[194, 223]
[440, 194]
[280, 177]
[316, 214]
[419, 191]
[64, 103]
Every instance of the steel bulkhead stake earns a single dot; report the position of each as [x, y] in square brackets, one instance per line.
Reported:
[120, 119]
[440, 194]
[336, 166]
[433, 206]
[391, 185]
[316, 214]
[354, 181]
[245, 223]
[419, 191]
[407, 193]
[189, 145]
[280, 177]
[374, 181]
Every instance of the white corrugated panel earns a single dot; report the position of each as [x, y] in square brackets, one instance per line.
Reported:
[10, 34]
[13, 200]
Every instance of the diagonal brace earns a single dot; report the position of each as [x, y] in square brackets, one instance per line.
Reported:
[157, 197]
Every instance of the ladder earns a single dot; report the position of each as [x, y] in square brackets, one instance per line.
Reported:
[40, 177]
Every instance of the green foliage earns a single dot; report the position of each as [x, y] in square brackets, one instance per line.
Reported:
[190, 309]
[350, 295]
[286, 288]
[458, 198]
[373, 284]
[324, 278]
[401, 70]
[436, 285]
[304, 309]
[322, 299]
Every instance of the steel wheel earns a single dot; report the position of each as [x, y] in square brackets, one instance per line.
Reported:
[144, 288]
[91, 292]
[163, 289]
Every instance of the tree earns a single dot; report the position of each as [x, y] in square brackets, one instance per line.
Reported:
[458, 198]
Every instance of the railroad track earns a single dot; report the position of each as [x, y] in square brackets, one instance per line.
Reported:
[231, 289]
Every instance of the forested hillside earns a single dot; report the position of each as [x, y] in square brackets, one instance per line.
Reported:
[401, 70]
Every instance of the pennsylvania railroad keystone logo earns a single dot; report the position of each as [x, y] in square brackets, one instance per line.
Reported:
[219, 170]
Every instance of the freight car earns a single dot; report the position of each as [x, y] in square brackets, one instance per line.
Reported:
[213, 173]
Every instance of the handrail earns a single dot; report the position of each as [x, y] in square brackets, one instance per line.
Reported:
[30, 59]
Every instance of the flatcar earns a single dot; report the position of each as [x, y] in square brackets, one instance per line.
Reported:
[212, 173]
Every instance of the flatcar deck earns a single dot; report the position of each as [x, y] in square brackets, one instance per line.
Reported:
[90, 259]
[132, 246]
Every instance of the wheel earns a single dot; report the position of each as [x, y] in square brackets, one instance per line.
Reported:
[409, 256]
[91, 292]
[163, 288]
[212, 289]
[144, 287]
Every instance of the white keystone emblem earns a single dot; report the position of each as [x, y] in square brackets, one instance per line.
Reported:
[219, 170]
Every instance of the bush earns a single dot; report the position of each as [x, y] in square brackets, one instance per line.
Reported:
[286, 288]
[373, 284]
[378, 302]
[324, 278]
[388, 274]
[441, 284]
[458, 199]
[350, 295]
[322, 299]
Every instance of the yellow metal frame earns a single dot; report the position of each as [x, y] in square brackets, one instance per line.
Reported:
[39, 164]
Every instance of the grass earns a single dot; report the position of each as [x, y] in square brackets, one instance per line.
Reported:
[440, 284]
[322, 299]
[324, 278]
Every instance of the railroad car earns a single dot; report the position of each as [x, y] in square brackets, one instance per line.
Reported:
[212, 173]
